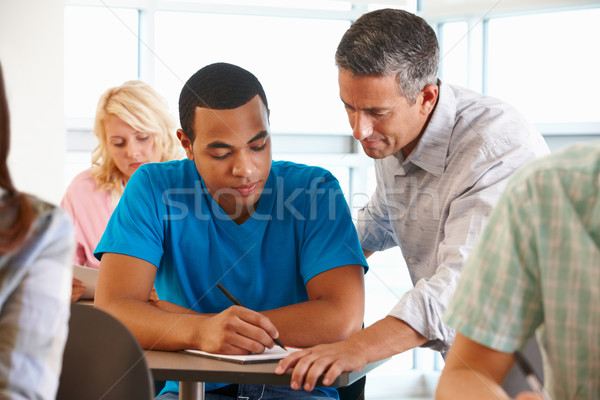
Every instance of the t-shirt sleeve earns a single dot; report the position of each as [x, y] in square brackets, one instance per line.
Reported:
[135, 227]
[330, 238]
[497, 301]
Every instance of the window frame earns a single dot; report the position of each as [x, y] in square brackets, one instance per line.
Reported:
[557, 134]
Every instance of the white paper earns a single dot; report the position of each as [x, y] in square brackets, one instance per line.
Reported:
[88, 277]
[273, 354]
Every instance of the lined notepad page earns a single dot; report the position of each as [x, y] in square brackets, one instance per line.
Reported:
[270, 355]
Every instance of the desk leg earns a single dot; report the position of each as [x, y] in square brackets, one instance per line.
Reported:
[191, 390]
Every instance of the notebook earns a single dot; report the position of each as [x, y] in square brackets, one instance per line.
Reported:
[88, 277]
[270, 355]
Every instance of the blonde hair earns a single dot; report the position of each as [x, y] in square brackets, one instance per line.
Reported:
[142, 108]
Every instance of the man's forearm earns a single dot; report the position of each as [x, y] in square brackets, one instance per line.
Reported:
[387, 337]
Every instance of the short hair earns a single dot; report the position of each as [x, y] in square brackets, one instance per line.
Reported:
[142, 108]
[218, 86]
[391, 42]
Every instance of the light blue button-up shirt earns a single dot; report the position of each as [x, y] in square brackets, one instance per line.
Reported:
[434, 204]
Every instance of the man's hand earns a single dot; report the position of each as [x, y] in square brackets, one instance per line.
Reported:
[237, 330]
[329, 359]
[383, 339]
[78, 289]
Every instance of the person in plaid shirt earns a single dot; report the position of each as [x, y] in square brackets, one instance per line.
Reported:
[535, 269]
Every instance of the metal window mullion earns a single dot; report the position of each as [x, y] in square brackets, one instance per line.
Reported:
[485, 56]
[146, 43]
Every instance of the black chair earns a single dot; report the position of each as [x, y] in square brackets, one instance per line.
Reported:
[355, 391]
[102, 359]
[515, 382]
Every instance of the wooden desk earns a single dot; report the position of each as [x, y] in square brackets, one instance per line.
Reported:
[192, 371]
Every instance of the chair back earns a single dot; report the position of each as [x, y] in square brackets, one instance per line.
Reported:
[355, 391]
[102, 359]
[515, 381]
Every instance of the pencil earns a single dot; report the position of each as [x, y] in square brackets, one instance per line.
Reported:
[530, 376]
[235, 301]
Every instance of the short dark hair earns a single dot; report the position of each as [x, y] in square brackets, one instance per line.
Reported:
[219, 86]
[391, 42]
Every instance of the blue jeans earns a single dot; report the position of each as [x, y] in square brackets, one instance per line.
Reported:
[261, 392]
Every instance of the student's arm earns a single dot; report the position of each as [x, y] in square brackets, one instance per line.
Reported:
[474, 371]
[124, 284]
[334, 311]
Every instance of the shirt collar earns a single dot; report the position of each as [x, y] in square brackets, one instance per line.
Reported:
[431, 150]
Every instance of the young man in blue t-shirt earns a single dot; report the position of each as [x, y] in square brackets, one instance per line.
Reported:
[277, 234]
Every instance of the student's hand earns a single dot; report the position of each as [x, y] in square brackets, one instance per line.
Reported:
[331, 359]
[528, 396]
[237, 330]
[77, 290]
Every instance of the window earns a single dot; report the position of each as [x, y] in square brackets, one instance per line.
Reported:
[542, 63]
[546, 64]
[292, 57]
[101, 50]
[454, 54]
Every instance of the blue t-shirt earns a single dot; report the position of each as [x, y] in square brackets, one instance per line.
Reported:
[301, 228]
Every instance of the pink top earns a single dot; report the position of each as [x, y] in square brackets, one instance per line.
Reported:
[90, 211]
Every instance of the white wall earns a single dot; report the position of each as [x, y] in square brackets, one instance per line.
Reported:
[31, 53]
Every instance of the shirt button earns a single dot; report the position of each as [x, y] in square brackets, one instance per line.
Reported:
[411, 260]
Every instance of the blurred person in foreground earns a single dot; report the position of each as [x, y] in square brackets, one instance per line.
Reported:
[536, 269]
[36, 249]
